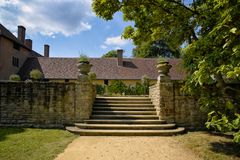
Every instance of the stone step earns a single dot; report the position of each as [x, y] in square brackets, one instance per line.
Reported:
[125, 126]
[124, 121]
[124, 102]
[124, 116]
[121, 105]
[124, 112]
[139, 98]
[124, 109]
[100, 132]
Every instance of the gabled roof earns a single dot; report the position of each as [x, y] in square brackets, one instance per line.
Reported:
[105, 68]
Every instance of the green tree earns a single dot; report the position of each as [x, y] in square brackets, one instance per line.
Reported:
[155, 49]
[112, 53]
[209, 32]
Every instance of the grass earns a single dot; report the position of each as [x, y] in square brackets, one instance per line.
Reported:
[210, 146]
[32, 144]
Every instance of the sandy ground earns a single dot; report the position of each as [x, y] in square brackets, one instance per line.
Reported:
[126, 148]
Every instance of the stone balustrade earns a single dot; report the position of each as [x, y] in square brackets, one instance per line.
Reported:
[173, 105]
[40, 104]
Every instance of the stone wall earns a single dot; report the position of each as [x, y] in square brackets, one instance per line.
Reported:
[174, 106]
[41, 104]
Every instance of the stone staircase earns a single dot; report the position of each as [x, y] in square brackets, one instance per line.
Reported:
[124, 116]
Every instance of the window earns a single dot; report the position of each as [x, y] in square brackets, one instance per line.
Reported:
[106, 82]
[16, 46]
[66, 80]
[15, 61]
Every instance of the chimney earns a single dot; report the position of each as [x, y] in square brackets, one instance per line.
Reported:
[28, 43]
[120, 57]
[21, 33]
[46, 50]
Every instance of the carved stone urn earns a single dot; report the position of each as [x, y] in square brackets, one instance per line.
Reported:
[163, 68]
[83, 68]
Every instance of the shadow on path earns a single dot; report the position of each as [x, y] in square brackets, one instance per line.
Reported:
[225, 147]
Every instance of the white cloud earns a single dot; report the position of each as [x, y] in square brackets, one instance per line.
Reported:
[103, 46]
[67, 17]
[116, 41]
[8, 2]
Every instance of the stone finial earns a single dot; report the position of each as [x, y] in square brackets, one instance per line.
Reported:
[83, 68]
[163, 70]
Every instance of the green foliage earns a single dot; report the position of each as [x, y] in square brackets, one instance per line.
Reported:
[214, 61]
[117, 87]
[14, 77]
[35, 74]
[208, 30]
[92, 76]
[100, 89]
[83, 58]
[145, 81]
[153, 19]
[112, 53]
[154, 49]
[161, 59]
[221, 122]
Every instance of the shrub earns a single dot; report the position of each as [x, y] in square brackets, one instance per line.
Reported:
[92, 76]
[145, 84]
[100, 89]
[14, 77]
[117, 86]
[83, 58]
[35, 74]
[145, 80]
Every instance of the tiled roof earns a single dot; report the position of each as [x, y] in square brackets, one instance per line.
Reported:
[105, 68]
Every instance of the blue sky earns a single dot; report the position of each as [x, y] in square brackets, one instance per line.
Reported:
[68, 26]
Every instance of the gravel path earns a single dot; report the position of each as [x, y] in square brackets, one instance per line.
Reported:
[126, 148]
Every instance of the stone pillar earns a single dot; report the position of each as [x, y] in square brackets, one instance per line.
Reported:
[165, 88]
[166, 108]
[85, 96]
[85, 93]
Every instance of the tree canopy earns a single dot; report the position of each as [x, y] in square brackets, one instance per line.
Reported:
[112, 53]
[157, 48]
[209, 33]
